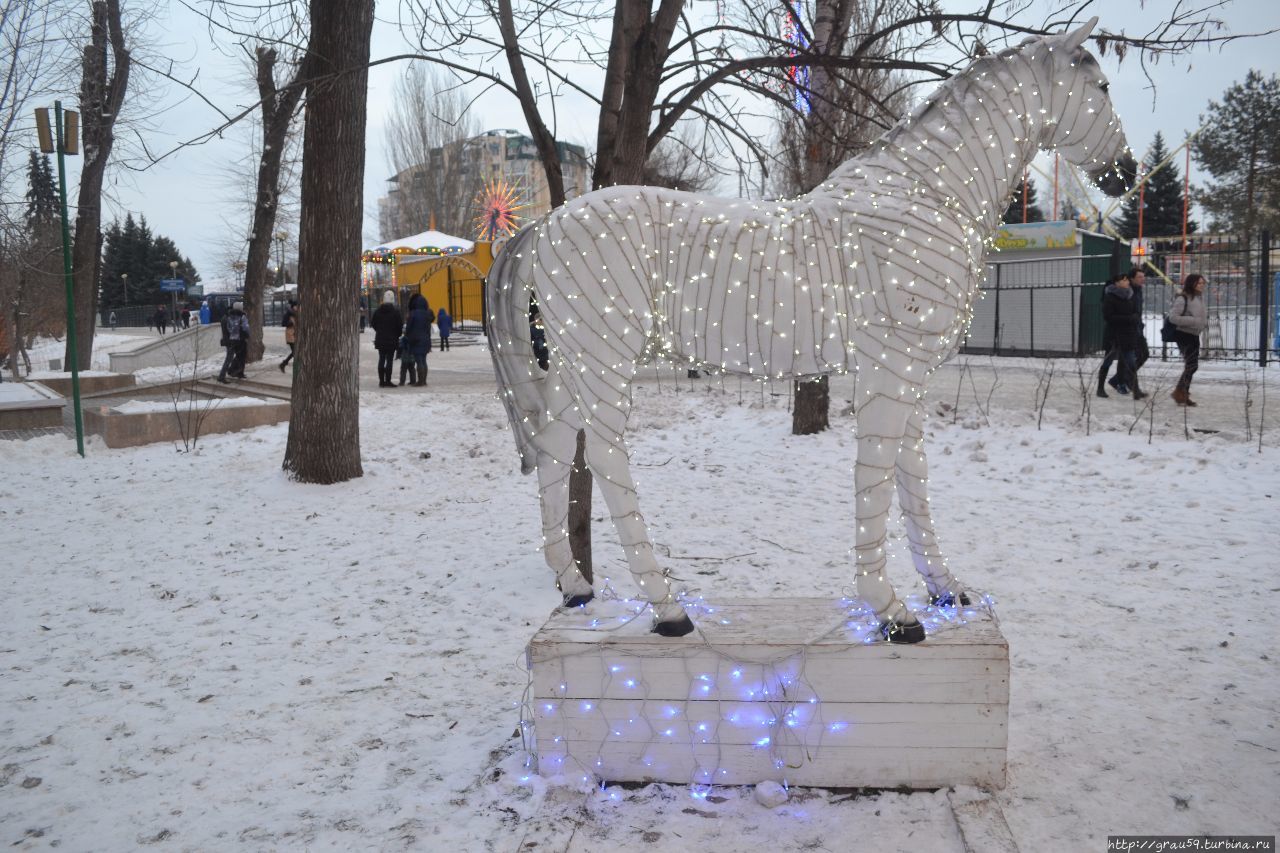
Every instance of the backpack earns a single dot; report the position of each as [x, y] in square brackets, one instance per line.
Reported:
[1170, 333]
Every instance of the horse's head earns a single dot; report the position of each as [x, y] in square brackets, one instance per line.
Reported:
[1081, 122]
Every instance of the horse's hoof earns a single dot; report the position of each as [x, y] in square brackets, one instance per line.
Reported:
[579, 600]
[900, 632]
[948, 599]
[677, 628]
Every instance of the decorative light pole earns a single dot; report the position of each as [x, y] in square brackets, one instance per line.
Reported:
[124, 283]
[68, 144]
[238, 267]
[173, 274]
[281, 236]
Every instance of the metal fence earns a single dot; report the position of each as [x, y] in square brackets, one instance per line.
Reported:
[1048, 308]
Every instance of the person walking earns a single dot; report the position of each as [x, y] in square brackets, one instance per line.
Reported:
[162, 319]
[1120, 312]
[290, 324]
[1137, 280]
[388, 323]
[112, 321]
[417, 333]
[1190, 315]
[186, 316]
[235, 337]
[444, 323]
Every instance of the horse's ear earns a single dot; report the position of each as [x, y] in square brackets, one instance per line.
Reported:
[1074, 39]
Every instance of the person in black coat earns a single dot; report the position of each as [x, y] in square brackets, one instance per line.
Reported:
[1137, 278]
[417, 340]
[387, 324]
[1122, 314]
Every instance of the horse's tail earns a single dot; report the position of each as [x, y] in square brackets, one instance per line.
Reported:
[514, 361]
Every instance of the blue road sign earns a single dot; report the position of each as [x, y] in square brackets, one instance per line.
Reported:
[175, 285]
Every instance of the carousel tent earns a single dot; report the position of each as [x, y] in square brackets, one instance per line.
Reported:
[426, 238]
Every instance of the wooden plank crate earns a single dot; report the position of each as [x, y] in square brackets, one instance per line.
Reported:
[785, 689]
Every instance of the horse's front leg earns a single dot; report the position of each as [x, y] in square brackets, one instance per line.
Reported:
[881, 422]
[556, 442]
[913, 497]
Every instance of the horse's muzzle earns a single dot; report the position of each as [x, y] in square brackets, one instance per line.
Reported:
[1118, 178]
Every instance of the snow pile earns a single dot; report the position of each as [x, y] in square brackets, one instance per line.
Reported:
[201, 654]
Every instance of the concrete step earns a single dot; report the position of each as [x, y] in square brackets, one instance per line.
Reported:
[240, 387]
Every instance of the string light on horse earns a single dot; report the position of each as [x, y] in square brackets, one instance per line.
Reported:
[874, 271]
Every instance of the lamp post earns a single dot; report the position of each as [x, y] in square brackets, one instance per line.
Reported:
[173, 276]
[238, 267]
[281, 236]
[70, 144]
[124, 283]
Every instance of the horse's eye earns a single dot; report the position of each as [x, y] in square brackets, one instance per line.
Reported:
[1104, 87]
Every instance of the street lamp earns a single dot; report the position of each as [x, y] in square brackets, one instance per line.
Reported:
[238, 266]
[53, 140]
[173, 274]
[281, 236]
[124, 281]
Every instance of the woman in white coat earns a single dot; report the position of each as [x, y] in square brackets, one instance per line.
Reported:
[1189, 314]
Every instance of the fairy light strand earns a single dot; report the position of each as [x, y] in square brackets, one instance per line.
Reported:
[875, 272]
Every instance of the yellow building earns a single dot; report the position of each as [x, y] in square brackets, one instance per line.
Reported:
[448, 271]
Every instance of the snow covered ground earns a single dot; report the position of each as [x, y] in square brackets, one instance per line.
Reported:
[198, 654]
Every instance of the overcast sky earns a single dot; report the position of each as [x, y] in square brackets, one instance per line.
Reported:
[188, 196]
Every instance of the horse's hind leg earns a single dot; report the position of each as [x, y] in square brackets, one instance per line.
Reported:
[913, 497]
[607, 458]
[881, 422]
[556, 442]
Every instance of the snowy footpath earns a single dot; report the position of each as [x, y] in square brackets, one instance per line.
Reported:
[198, 654]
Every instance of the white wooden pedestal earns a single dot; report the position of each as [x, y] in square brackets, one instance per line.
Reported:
[780, 689]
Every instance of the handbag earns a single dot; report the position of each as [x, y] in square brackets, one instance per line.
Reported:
[1170, 333]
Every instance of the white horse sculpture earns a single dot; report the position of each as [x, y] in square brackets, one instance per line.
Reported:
[874, 270]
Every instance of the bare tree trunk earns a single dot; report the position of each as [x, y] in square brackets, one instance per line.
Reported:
[101, 96]
[813, 401]
[324, 425]
[542, 135]
[278, 106]
[830, 29]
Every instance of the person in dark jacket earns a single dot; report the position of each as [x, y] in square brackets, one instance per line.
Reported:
[417, 341]
[235, 337]
[445, 324]
[1122, 314]
[290, 323]
[1137, 279]
[387, 324]
[161, 319]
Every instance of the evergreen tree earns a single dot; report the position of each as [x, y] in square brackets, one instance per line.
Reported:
[132, 249]
[1162, 199]
[1240, 148]
[1013, 214]
[42, 195]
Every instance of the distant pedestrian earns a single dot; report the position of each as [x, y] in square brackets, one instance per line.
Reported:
[364, 318]
[161, 319]
[290, 324]
[445, 323]
[112, 321]
[1190, 314]
[186, 316]
[235, 337]
[206, 315]
[417, 335]
[388, 324]
[538, 337]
